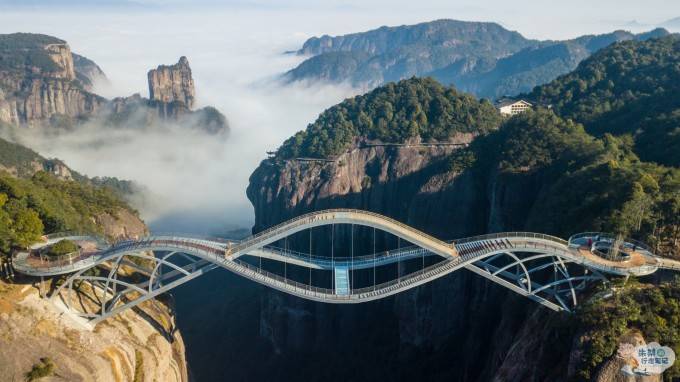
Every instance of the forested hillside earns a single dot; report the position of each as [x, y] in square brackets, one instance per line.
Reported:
[418, 107]
[587, 183]
[44, 204]
[40, 196]
[629, 88]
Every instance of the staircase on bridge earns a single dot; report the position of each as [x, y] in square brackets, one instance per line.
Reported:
[341, 275]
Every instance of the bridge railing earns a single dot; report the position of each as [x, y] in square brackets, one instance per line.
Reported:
[499, 235]
[266, 276]
[669, 265]
[191, 236]
[61, 265]
[308, 217]
[326, 293]
[612, 237]
[33, 257]
[401, 252]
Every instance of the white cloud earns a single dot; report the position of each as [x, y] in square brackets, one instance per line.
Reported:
[235, 50]
[234, 57]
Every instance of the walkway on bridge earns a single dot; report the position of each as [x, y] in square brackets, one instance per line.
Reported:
[515, 260]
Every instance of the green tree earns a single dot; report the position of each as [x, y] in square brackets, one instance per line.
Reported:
[417, 107]
[62, 247]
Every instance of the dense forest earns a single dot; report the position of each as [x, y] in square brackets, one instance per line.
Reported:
[628, 88]
[418, 107]
[587, 183]
[34, 202]
[653, 312]
[44, 204]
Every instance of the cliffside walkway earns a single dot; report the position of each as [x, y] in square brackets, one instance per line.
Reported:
[547, 269]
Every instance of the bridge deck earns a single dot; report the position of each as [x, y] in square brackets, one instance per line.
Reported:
[521, 249]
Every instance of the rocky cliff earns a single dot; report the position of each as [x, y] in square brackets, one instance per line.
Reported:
[462, 328]
[172, 83]
[171, 100]
[126, 348]
[42, 98]
[42, 83]
[38, 81]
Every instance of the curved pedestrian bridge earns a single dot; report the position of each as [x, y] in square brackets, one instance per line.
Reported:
[547, 269]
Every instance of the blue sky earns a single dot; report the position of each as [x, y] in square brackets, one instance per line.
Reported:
[534, 18]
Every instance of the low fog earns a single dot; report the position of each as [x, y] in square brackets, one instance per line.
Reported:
[198, 180]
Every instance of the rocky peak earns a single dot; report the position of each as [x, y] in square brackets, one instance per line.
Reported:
[172, 83]
[61, 55]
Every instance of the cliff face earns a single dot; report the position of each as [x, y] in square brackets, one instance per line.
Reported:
[390, 180]
[42, 83]
[30, 94]
[469, 319]
[463, 327]
[42, 98]
[61, 55]
[170, 83]
[121, 224]
[125, 348]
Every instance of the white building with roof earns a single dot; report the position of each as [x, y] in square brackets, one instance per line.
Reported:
[513, 106]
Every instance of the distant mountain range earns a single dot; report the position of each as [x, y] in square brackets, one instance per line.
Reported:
[477, 57]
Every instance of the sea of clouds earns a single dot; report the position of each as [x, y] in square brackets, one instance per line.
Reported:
[198, 181]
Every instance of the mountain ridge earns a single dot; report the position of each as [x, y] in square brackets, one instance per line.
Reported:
[539, 171]
[482, 58]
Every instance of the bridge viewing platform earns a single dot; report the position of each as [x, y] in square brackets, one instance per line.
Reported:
[547, 269]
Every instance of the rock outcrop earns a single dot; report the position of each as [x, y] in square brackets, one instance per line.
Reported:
[172, 83]
[42, 83]
[122, 224]
[38, 81]
[61, 55]
[124, 348]
[171, 100]
[43, 99]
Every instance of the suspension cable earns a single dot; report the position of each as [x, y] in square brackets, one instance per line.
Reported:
[398, 258]
[352, 260]
[333, 255]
